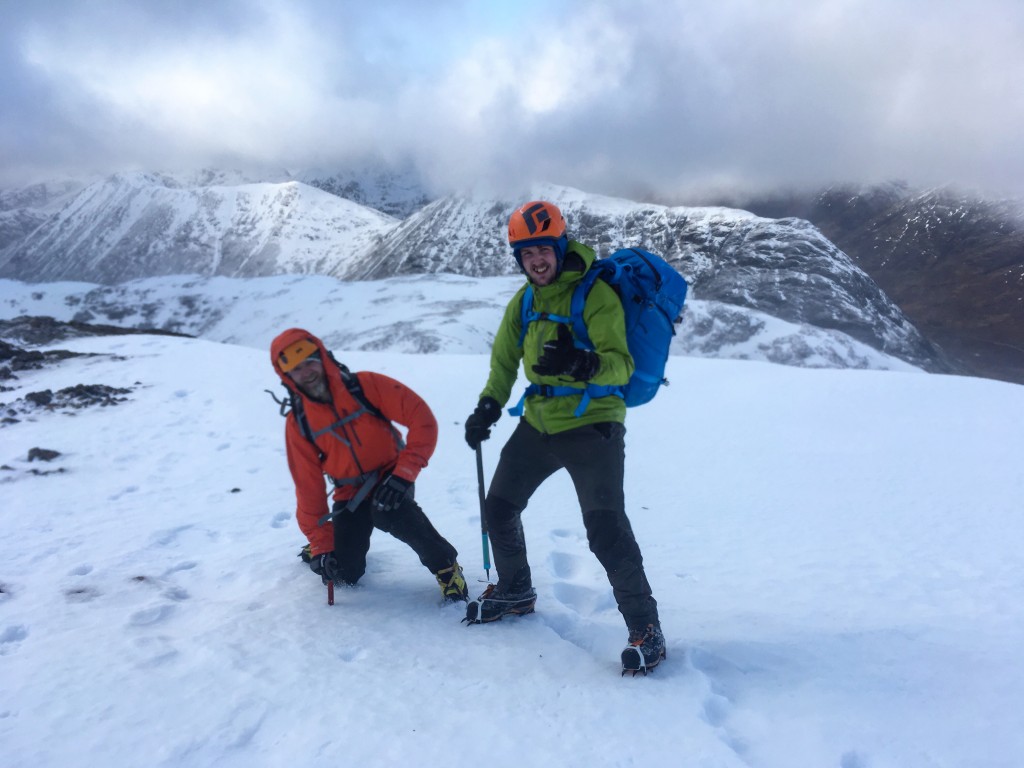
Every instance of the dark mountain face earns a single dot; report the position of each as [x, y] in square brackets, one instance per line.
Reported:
[953, 263]
[24, 209]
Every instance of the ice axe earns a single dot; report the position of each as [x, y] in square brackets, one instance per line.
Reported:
[483, 518]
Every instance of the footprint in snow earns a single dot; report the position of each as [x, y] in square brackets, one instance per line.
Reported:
[353, 654]
[584, 600]
[280, 520]
[11, 637]
[718, 704]
[242, 725]
[580, 582]
[150, 616]
[185, 565]
[123, 492]
[564, 565]
[81, 594]
[176, 593]
[716, 710]
[167, 537]
[153, 651]
[852, 759]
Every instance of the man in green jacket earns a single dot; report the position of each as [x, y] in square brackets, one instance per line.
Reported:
[570, 422]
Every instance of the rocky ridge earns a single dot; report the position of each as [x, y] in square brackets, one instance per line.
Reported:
[953, 261]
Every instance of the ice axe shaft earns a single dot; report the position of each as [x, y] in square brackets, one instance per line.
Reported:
[483, 519]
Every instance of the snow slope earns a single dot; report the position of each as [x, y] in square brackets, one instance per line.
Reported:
[422, 313]
[836, 555]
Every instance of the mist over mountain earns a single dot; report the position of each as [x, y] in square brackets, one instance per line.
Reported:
[398, 192]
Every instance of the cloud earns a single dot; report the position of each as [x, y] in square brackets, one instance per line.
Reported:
[663, 97]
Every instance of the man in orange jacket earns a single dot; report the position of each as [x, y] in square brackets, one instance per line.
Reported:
[341, 426]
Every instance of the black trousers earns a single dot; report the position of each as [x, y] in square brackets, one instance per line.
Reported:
[407, 523]
[594, 456]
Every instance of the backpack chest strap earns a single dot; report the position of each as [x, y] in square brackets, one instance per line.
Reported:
[330, 428]
[529, 315]
[579, 327]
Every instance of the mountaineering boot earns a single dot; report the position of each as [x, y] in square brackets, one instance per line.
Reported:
[453, 585]
[495, 603]
[645, 651]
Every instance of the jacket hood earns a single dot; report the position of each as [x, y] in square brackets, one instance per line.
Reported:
[578, 260]
[285, 340]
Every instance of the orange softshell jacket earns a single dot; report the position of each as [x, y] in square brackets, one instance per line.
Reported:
[356, 447]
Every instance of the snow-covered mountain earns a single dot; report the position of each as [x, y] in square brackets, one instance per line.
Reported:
[133, 226]
[780, 267]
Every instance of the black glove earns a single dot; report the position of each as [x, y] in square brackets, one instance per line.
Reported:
[390, 493]
[562, 358]
[325, 566]
[480, 421]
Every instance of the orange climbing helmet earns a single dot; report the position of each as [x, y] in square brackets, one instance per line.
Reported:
[535, 220]
[538, 223]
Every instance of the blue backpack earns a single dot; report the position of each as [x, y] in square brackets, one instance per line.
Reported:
[652, 295]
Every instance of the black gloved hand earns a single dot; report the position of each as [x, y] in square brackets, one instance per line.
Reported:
[562, 358]
[325, 566]
[390, 493]
[480, 421]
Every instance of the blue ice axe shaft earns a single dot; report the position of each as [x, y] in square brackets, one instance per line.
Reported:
[483, 519]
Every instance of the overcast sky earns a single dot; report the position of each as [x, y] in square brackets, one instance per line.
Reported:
[667, 97]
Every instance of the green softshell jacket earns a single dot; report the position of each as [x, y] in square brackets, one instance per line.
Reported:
[606, 325]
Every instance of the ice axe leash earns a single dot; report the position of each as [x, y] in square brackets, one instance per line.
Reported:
[483, 519]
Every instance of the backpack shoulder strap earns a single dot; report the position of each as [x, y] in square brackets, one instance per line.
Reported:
[525, 313]
[298, 410]
[579, 299]
[294, 404]
[528, 314]
[355, 389]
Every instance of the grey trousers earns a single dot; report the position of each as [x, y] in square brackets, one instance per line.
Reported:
[594, 457]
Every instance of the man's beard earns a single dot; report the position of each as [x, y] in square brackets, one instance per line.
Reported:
[317, 390]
